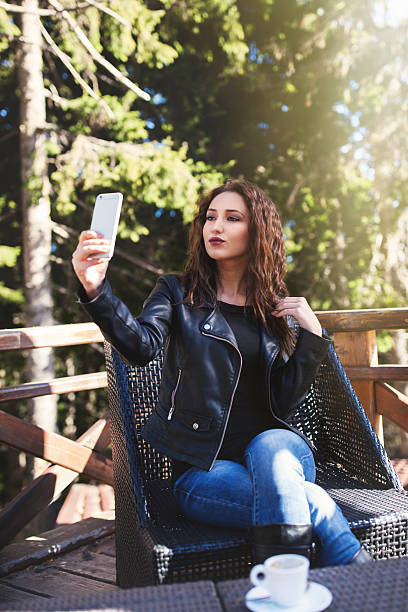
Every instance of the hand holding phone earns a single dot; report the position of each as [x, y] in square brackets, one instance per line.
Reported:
[105, 218]
[90, 259]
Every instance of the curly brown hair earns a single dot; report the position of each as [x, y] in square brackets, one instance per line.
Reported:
[264, 277]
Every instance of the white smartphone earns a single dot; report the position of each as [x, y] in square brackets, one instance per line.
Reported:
[105, 218]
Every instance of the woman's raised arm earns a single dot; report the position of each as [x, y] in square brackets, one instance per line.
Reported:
[88, 264]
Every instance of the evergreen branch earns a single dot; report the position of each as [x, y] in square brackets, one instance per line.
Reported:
[12, 38]
[139, 262]
[99, 144]
[51, 65]
[55, 97]
[64, 11]
[48, 127]
[58, 288]
[110, 12]
[64, 231]
[14, 8]
[95, 54]
[290, 202]
[98, 348]
[66, 61]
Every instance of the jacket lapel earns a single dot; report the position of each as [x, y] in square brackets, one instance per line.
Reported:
[216, 325]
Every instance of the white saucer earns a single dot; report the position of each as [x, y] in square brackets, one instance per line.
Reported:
[316, 598]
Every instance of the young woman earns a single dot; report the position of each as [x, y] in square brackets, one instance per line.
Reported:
[240, 357]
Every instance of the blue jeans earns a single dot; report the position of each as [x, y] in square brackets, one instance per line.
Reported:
[272, 483]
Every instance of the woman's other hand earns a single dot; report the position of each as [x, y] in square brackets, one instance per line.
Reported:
[89, 267]
[299, 308]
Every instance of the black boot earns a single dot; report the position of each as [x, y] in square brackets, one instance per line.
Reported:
[279, 539]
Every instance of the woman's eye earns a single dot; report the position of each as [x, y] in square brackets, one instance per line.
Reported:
[233, 218]
[209, 217]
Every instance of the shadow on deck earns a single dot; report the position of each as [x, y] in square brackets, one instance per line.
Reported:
[76, 558]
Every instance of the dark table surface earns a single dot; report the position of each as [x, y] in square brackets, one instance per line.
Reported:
[368, 587]
[184, 597]
[372, 586]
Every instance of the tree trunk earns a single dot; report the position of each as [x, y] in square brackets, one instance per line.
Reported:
[36, 210]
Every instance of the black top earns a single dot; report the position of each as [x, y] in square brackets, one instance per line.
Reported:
[249, 413]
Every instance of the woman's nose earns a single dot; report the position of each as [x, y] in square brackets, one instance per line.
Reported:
[218, 225]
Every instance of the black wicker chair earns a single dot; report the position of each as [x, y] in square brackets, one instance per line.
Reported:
[155, 543]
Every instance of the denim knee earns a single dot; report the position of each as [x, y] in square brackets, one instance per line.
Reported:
[285, 449]
[222, 497]
[278, 438]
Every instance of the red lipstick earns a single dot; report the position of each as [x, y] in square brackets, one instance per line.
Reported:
[215, 241]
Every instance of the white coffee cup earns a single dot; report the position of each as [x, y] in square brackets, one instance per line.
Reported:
[283, 577]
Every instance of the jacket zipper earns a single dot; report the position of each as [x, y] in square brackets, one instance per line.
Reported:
[233, 391]
[173, 395]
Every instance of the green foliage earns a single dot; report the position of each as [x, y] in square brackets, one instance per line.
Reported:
[148, 173]
[142, 40]
[227, 35]
[8, 28]
[13, 296]
[249, 89]
[307, 99]
[8, 255]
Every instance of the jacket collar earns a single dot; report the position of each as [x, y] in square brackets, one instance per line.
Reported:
[215, 324]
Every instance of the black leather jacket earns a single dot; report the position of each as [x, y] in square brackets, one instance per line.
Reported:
[202, 366]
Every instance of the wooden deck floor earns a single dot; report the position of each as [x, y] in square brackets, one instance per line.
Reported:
[69, 559]
[76, 556]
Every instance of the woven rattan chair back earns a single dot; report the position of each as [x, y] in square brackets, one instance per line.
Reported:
[156, 543]
[331, 417]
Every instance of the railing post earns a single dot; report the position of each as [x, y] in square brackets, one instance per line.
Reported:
[360, 348]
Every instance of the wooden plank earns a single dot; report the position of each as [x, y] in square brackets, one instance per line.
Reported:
[98, 436]
[83, 501]
[107, 497]
[360, 349]
[47, 487]
[54, 448]
[50, 582]
[81, 382]
[88, 564]
[53, 335]
[84, 333]
[71, 511]
[107, 546]
[401, 467]
[11, 595]
[392, 404]
[51, 543]
[364, 320]
[379, 372]
[92, 504]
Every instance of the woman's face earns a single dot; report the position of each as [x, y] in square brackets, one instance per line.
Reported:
[226, 229]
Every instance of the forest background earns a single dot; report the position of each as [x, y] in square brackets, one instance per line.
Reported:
[161, 100]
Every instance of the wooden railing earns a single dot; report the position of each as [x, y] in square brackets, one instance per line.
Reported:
[354, 334]
[69, 458]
